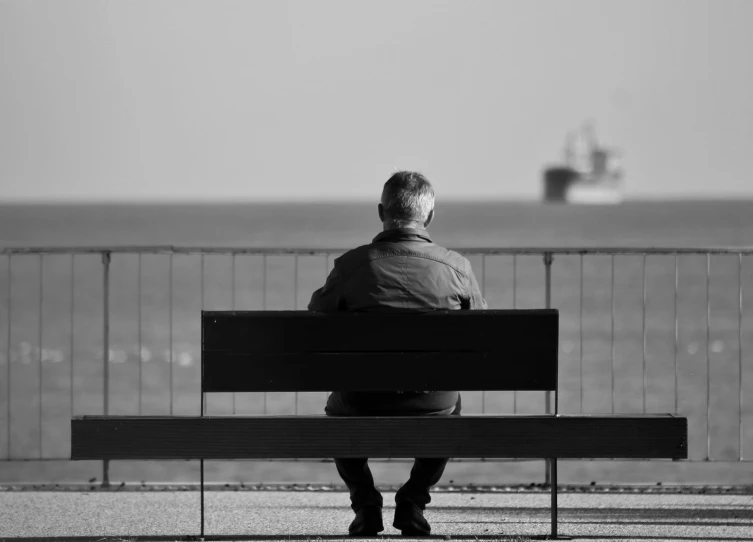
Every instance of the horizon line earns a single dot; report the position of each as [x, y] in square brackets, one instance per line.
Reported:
[641, 198]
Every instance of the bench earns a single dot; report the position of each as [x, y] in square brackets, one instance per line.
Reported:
[270, 351]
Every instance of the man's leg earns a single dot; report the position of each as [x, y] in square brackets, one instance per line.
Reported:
[357, 476]
[365, 500]
[411, 499]
[425, 473]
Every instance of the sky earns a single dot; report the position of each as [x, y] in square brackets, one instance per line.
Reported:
[187, 100]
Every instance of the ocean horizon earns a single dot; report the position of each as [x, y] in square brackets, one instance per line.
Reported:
[680, 223]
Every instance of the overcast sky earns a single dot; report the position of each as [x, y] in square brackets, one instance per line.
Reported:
[267, 99]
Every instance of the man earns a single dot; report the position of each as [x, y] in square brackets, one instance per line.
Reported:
[402, 269]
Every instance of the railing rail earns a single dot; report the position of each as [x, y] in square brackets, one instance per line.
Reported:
[568, 287]
[536, 250]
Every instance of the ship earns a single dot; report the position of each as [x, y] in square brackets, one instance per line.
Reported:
[589, 173]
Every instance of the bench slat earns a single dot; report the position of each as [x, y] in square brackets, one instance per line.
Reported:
[304, 331]
[263, 350]
[123, 437]
[366, 371]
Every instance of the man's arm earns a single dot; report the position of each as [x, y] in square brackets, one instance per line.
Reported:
[327, 298]
[475, 300]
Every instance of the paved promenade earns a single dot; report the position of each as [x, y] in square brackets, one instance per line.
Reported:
[283, 515]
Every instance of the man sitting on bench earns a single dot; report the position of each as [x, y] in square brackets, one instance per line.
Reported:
[401, 270]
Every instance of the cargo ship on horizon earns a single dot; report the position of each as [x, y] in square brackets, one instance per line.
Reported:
[590, 173]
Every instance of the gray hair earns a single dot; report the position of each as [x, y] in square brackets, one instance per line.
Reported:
[407, 197]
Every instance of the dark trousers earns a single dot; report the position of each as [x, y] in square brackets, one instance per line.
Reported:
[356, 474]
[425, 473]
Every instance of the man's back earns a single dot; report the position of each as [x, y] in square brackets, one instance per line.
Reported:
[402, 269]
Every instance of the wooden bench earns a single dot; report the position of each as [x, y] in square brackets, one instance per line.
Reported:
[444, 350]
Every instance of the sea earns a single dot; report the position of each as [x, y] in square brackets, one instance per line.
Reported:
[344, 225]
[638, 333]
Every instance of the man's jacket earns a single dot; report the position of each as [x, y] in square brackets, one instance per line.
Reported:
[402, 269]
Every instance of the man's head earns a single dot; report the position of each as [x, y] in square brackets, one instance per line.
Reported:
[407, 201]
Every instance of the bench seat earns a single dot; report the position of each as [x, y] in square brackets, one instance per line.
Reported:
[257, 437]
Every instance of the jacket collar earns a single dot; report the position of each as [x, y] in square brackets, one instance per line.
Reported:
[403, 234]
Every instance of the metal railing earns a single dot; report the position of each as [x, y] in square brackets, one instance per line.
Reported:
[584, 283]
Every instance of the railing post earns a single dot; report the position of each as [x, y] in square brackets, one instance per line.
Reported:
[201, 400]
[708, 357]
[8, 389]
[515, 306]
[140, 340]
[170, 329]
[106, 351]
[40, 339]
[548, 259]
[740, 356]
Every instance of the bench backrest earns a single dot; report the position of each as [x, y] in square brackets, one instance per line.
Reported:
[439, 350]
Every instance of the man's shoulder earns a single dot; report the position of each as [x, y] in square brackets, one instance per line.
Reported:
[354, 256]
[447, 254]
[451, 258]
[364, 253]
[373, 251]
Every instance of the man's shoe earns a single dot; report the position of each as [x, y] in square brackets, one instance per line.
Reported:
[368, 522]
[409, 518]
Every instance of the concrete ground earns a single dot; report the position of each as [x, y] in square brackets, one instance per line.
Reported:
[284, 515]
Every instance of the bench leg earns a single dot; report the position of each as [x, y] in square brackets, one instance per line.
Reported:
[553, 467]
[554, 535]
[202, 497]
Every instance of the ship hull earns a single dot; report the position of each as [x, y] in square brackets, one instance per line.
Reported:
[565, 185]
[587, 194]
[557, 181]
